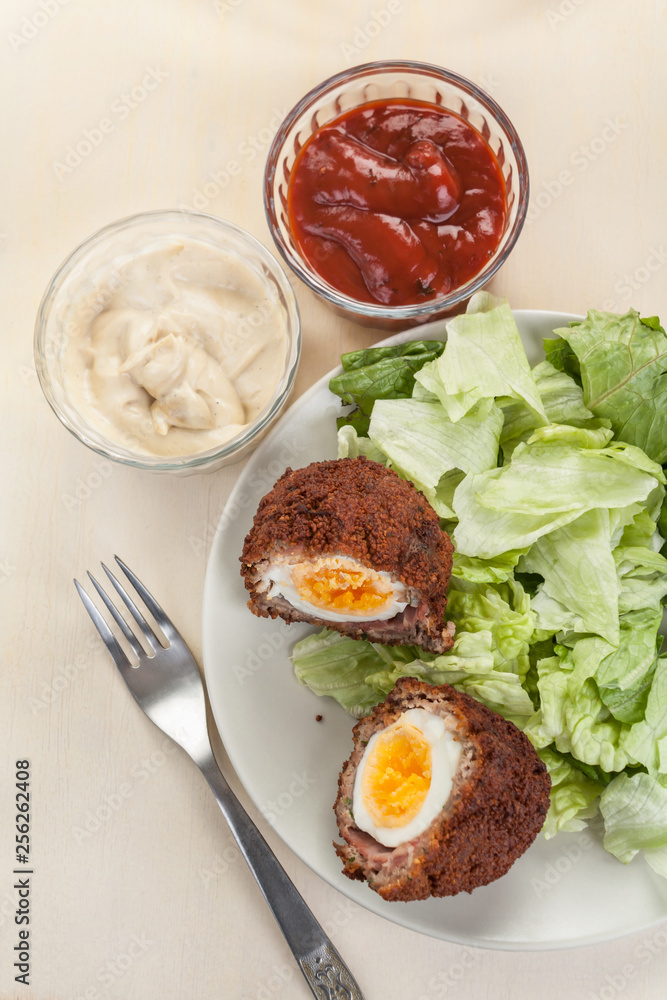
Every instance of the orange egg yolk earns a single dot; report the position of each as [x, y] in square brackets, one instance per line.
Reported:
[396, 776]
[341, 585]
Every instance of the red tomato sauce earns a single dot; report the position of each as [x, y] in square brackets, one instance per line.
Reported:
[397, 202]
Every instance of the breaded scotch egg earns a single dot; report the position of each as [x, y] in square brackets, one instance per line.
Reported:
[350, 545]
[440, 795]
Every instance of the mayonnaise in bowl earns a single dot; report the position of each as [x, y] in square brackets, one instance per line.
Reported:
[173, 349]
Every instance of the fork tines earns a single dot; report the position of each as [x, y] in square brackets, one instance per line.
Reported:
[151, 639]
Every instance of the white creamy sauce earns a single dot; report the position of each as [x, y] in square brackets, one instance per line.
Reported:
[175, 350]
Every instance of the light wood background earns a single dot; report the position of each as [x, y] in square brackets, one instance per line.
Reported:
[584, 81]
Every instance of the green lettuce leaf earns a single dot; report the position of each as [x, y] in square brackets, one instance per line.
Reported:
[624, 674]
[573, 717]
[559, 354]
[360, 675]
[380, 373]
[662, 523]
[623, 363]
[497, 570]
[634, 808]
[594, 435]
[574, 794]
[642, 575]
[331, 664]
[580, 589]
[545, 487]
[647, 740]
[597, 700]
[419, 438]
[501, 691]
[352, 445]
[441, 497]
[640, 531]
[489, 658]
[484, 358]
[503, 611]
[563, 402]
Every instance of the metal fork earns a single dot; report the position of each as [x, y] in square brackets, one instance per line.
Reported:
[167, 685]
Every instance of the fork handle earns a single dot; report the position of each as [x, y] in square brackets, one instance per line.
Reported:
[325, 972]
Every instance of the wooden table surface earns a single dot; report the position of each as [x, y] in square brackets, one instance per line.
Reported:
[136, 890]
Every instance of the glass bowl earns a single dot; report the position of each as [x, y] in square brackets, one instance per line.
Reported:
[378, 81]
[74, 286]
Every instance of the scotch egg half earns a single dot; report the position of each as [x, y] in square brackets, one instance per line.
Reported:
[405, 777]
[336, 588]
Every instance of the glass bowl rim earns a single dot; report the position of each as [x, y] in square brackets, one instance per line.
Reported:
[415, 310]
[109, 449]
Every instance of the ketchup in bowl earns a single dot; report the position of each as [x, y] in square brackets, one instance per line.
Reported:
[397, 202]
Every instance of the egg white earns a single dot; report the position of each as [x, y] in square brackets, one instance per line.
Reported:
[445, 757]
[279, 577]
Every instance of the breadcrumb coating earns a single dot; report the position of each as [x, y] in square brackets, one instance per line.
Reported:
[357, 508]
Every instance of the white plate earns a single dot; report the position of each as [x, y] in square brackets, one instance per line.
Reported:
[562, 892]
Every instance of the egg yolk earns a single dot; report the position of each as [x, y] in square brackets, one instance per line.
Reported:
[341, 585]
[397, 775]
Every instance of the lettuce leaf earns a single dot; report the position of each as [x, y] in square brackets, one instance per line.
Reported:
[647, 740]
[623, 364]
[503, 611]
[483, 359]
[642, 576]
[580, 589]
[563, 402]
[352, 445]
[441, 497]
[597, 700]
[574, 794]
[545, 487]
[594, 435]
[662, 523]
[489, 658]
[498, 570]
[331, 664]
[501, 691]
[573, 717]
[380, 373]
[634, 808]
[419, 438]
[559, 354]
